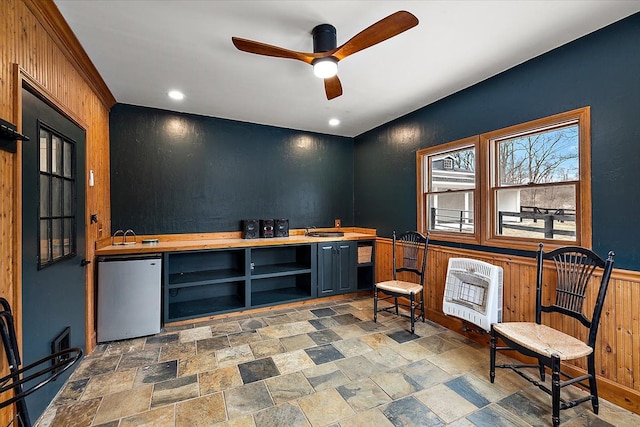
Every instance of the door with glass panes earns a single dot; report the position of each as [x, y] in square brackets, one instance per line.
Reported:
[53, 236]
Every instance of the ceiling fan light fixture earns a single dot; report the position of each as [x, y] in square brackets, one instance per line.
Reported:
[176, 94]
[325, 68]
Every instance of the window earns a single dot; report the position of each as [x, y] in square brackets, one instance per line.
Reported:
[448, 188]
[57, 230]
[534, 185]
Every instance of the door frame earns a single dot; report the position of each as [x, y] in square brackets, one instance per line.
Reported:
[22, 79]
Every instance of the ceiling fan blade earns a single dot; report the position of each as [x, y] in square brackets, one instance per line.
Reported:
[332, 87]
[251, 46]
[382, 30]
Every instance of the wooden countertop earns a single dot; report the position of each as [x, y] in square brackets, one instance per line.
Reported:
[190, 242]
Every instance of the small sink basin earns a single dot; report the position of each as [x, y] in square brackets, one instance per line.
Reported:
[326, 234]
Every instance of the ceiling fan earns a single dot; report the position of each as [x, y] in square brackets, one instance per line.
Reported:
[325, 55]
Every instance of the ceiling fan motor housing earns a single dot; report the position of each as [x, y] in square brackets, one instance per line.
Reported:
[324, 38]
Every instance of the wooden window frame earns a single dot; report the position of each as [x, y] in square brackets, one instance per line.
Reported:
[425, 153]
[490, 237]
[485, 232]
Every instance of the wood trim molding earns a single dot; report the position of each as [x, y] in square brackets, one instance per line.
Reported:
[583, 193]
[54, 24]
[24, 80]
[16, 303]
[27, 80]
[423, 225]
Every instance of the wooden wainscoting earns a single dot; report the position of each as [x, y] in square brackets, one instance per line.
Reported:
[39, 49]
[618, 344]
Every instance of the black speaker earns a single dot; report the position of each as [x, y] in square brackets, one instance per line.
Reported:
[266, 228]
[250, 229]
[281, 227]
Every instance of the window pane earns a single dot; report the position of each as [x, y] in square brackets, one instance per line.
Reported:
[539, 212]
[451, 212]
[68, 197]
[68, 235]
[56, 154]
[45, 254]
[543, 157]
[454, 170]
[56, 238]
[44, 195]
[68, 147]
[56, 197]
[44, 143]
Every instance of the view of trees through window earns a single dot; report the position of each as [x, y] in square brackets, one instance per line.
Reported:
[531, 170]
[512, 187]
[549, 156]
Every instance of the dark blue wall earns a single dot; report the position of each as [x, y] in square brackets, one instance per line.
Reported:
[601, 70]
[181, 173]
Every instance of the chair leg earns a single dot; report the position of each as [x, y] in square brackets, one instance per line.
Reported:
[396, 301]
[593, 388]
[492, 357]
[22, 414]
[541, 369]
[555, 390]
[375, 304]
[422, 306]
[413, 312]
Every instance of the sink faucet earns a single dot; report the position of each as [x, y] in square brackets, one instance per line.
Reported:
[306, 230]
[116, 234]
[129, 232]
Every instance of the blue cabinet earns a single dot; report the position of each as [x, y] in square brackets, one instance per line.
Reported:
[202, 283]
[336, 268]
[208, 282]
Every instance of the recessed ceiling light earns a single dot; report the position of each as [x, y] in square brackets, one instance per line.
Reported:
[176, 94]
[334, 122]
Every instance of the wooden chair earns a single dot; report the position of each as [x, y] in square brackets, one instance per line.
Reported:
[406, 258]
[21, 382]
[574, 267]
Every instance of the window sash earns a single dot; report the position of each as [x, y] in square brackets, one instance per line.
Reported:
[448, 198]
[57, 230]
[487, 188]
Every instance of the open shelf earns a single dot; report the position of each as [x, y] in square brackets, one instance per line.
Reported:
[366, 265]
[280, 259]
[365, 277]
[277, 297]
[204, 277]
[196, 301]
[280, 289]
[200, 266]
[287, 269]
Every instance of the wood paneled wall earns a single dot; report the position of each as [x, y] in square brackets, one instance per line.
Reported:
[618, 343]
[38, 48]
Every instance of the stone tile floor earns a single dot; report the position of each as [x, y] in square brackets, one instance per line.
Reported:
[326, 364]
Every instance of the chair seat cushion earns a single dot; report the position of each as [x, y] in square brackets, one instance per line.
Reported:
[543, 339]
[400, 287]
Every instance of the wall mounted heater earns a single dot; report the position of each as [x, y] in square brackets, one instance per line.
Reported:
[473, 292]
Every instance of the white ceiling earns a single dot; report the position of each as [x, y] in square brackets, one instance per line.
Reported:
[145, 48]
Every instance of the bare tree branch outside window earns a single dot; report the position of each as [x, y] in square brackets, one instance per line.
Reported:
[545, 157]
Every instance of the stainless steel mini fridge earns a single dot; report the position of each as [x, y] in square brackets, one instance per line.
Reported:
[129, 296]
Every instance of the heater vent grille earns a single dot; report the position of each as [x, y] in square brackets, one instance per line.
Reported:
[473, 292]
[59, 343]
